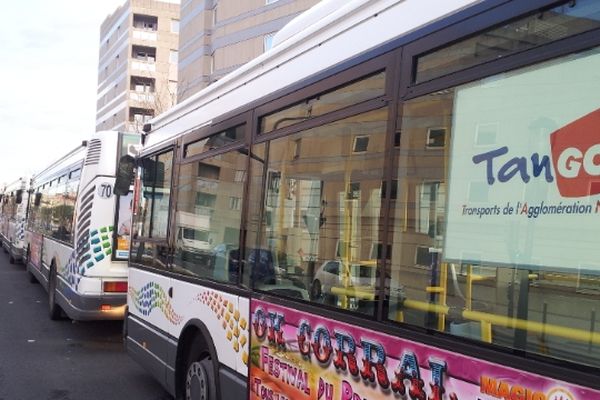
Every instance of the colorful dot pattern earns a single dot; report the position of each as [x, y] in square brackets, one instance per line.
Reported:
[152, 296]
[236, 327]
[20, 231]
[100, 247]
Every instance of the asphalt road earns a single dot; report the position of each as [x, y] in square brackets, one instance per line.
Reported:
[61, 360]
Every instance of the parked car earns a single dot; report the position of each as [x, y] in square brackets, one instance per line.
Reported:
[364, 275]
[330, 274]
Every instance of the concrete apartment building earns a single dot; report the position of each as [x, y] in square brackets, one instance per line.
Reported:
[218, 36]
[137, 68]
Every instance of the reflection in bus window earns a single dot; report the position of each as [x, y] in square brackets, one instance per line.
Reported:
[317, 196]
[347, 95]
[207, 229]
[470, 266]
[155, 194]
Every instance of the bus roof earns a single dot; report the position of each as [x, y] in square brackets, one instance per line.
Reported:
[19, 183]
[328, 34]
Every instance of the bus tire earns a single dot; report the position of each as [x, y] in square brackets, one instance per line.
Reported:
[30, 275]
[32, 278]
[200, 381]
[54, 310]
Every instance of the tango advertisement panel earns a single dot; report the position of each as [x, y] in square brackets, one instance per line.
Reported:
[525, 168]
[296, 355]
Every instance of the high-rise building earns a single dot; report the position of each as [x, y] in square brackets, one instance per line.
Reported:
[137, 67]
[218, 36]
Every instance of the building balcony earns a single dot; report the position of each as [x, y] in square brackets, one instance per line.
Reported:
[144, 34]
[142, 97]
[144, 66]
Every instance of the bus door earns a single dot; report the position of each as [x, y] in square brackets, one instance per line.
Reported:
[151, 256]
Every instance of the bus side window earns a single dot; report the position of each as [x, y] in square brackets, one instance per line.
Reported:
[152, 213]
[208, 217]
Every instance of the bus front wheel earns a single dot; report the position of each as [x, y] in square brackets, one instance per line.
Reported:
[200, 382]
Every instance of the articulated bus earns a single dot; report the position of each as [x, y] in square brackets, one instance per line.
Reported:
[399, 200]
[12, 218]
[78, 230]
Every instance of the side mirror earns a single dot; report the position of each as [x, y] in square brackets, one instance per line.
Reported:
[125, 175]
[19, 199]
[38, 199]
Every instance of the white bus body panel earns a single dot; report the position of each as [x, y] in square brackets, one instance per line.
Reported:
[225, 315]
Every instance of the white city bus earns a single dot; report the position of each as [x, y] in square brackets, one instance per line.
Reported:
[77, 231]
[399, 200]
[12, 220]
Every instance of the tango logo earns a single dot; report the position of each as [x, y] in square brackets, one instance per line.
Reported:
[575, 164]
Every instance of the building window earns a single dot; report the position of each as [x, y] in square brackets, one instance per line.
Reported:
[361, 143]
[208, 171]
[436, 138]
[142, 85]
[240, 176]
[212, 64]
[268, 41]
[145, 22]
[140, 115]
[235, 203]
[175, 26]
[206, 199]
[173, 56]
[144, 53]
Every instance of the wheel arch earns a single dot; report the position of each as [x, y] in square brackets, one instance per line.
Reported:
[194, 330]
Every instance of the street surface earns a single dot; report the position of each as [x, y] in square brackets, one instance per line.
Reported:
[61, 360]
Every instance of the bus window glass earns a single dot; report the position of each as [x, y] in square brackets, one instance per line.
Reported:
[75, 174]
[322, 207]
[353, 93]
[544, 27]
[162, 195]
[155, 193]
[32, 213]
[144, 212]
[70, 199]
[216, 141]
[207, 227]
[127, 139]
[494, 234]
[123, 237]
[59, 211]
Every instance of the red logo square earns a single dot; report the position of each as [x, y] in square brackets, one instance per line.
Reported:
[576, 156]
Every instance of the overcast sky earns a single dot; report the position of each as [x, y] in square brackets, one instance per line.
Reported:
[48, 75]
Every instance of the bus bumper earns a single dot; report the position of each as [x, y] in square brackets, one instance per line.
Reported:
[102, 307]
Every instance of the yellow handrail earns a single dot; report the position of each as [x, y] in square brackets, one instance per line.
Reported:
[487, 320]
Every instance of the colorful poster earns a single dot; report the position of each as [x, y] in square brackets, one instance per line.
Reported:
[524, 182]
[296, 355]
[35, 249]
[124, 226]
